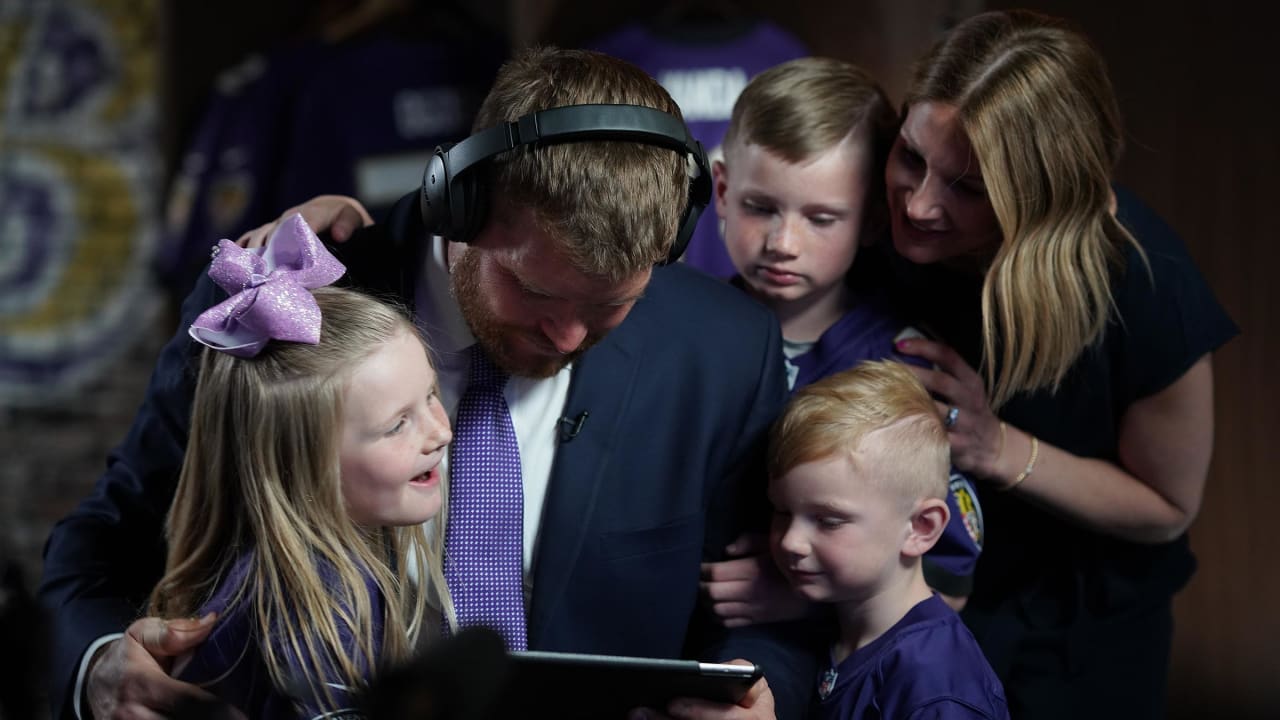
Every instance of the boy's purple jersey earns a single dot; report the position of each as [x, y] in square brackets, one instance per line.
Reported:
[926, 666]
[867, 332]
[705, 77]
[359, 118]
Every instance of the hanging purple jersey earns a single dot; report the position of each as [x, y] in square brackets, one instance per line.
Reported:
[704, 76]
[357, 118]
[220, 189]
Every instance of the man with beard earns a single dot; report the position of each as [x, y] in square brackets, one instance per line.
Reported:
[639, 395]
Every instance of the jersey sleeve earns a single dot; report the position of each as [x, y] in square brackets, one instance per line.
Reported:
[949, 564]
[315, 686]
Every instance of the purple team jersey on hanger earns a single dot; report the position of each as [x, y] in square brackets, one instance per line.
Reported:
[357, 118]
[705, 76]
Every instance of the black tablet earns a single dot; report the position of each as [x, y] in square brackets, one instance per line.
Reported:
[567, 685]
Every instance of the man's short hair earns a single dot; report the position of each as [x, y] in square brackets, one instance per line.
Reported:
[612, 205]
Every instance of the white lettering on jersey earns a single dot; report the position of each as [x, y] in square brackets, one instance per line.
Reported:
[428, 112]
[705, 94]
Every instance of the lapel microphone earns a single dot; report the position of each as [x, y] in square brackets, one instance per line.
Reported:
[571, 426]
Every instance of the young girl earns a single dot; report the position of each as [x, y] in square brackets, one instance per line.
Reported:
[316, 435]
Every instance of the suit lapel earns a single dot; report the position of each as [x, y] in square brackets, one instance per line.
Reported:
[603, 381]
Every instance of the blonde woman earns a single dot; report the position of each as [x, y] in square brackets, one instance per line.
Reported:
[316, 439]
[1072, 360]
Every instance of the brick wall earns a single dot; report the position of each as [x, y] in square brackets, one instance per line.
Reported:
[54, 453]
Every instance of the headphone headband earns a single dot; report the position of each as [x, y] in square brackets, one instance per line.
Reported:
[453, 206]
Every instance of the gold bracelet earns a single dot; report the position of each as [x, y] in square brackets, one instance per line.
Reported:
[1031, 464]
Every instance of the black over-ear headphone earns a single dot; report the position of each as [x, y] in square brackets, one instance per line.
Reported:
[453, 204]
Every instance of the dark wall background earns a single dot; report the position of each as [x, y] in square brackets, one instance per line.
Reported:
[1196, 83]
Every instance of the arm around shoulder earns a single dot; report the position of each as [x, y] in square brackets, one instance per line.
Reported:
[102, 559]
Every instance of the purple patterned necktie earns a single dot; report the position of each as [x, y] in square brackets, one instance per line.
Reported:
[484, 535]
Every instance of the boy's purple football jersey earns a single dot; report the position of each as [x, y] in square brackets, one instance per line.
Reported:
[926, 666]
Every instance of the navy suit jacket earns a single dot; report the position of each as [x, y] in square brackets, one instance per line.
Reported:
[666, 470]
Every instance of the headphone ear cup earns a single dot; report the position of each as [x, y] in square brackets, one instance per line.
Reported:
[434, 200]
[471, 208]
[688, 222]
[699, 198]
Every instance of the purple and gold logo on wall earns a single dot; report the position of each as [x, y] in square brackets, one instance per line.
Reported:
[78, 176]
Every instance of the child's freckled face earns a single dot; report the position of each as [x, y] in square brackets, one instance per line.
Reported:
[793, 229]
[394, 435]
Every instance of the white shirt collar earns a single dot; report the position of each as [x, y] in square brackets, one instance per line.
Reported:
[438, 313]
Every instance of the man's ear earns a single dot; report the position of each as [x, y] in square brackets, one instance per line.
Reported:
[928, 520]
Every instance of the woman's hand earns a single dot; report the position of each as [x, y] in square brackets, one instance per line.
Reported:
[1164, 446]
[975, 436]
[338, 214]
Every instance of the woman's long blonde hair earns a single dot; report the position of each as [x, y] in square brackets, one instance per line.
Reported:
[1034, 99]
[261, 477]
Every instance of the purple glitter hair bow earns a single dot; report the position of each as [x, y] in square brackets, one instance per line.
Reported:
[269, 291]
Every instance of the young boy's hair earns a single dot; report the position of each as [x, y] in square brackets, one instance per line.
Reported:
[833, 416]
[262, 475]
[807, 106]
[613, 206]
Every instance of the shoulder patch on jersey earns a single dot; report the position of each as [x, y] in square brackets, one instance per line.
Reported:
[970, 509]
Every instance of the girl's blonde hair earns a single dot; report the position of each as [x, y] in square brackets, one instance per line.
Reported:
[261, 477]
[1034, 99]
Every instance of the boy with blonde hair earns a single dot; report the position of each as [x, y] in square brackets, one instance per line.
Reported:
[858, 468]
